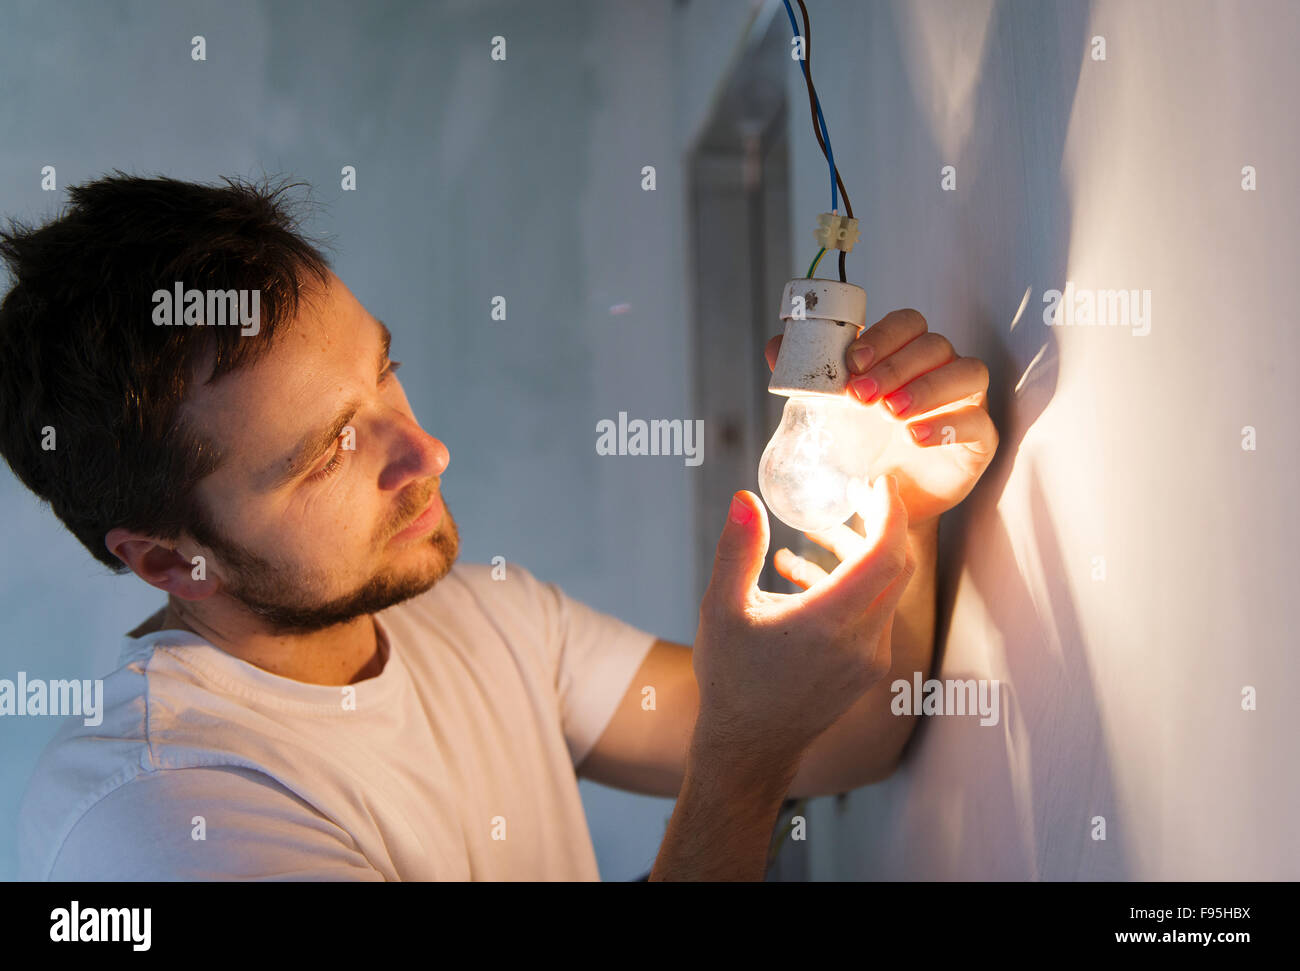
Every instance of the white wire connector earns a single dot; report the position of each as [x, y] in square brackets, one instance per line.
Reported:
[836, 232]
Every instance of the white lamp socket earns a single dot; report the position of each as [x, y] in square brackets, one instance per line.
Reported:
[822, 318]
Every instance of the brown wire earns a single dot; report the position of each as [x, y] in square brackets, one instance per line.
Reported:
[817, 130]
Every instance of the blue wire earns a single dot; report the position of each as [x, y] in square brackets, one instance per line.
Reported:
[830, 153]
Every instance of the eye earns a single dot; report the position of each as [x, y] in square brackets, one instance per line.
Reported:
[330, 467]
[336, 462]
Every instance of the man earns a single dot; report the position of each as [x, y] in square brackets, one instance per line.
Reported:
[327, 694]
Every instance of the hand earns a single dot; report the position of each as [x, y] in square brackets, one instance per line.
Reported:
[915, 372]
[776, 670]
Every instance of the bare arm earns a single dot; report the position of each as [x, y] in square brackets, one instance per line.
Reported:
[722, 825]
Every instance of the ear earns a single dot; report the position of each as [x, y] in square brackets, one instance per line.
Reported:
[160, 564]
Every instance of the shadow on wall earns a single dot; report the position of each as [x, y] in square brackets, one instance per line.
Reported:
[1014, 821]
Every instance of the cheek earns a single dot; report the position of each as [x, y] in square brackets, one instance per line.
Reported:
[331, 516]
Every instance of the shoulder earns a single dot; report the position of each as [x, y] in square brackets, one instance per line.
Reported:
[89, 756]
[204, 823]
[139, 727]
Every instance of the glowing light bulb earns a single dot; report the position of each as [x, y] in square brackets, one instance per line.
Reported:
[816, 470]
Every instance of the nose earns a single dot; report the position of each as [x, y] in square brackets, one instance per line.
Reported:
[434, 453]
[417, 455]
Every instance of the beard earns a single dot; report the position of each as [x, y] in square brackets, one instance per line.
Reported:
[275, 594]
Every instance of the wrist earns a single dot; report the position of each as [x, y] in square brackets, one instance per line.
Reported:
[726, 811]
[738, 765]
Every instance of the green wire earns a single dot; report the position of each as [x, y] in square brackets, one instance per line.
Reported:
[816, 259]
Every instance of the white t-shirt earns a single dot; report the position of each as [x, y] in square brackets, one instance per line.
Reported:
[456, 762]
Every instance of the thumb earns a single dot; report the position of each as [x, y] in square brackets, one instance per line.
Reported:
[772, 350]
[742, 549]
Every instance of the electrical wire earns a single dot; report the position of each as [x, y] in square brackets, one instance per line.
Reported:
[814, 103]
[819, 122]
[816, 259]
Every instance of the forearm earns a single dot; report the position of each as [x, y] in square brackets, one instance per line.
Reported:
[722, 824]
[864, 745]
[916, 619]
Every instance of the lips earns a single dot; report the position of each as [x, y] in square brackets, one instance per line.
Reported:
[430, 515]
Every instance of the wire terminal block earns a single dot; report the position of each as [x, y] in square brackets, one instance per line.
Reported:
[836, 232]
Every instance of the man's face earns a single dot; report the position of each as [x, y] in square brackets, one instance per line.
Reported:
[302, 531]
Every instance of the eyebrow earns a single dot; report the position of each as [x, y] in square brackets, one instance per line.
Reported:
[312, 445]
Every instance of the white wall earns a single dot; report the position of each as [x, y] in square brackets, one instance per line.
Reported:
[475, 178]
[1121, 696]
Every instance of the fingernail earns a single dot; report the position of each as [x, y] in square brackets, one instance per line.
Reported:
[865, 388]
[740, 513]
[860, 359]
[898, 402]
[920, 432]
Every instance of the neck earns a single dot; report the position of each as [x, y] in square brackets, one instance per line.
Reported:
[344, 654]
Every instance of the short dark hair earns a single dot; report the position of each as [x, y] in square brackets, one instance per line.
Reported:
[80, 352]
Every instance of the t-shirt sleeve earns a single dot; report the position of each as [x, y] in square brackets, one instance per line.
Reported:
[253, 828]
[594, 656]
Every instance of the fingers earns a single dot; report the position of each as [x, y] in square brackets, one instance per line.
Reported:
[884, 337]
[970, 426]
[911, 368]
[885, 377]
[961, 378]
[802, 573]
[916, 371]
[841, 540]
[772, 349]
[866, 572]
[742, 549]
